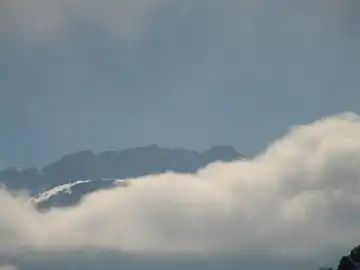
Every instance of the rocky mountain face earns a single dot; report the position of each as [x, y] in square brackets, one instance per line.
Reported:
[86, 166]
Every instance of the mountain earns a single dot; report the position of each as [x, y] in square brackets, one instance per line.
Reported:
[71, 193]
[128, 163]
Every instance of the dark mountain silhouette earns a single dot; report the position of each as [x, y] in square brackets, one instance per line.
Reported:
[132, 162]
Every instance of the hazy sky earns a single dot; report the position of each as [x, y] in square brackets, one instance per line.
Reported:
[87, 74]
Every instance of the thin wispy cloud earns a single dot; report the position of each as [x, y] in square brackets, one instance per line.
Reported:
[40, 20]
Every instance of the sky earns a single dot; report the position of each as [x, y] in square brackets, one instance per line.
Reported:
[105, 75]
[297, 201]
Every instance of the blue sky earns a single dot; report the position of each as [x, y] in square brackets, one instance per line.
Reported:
[111, 74]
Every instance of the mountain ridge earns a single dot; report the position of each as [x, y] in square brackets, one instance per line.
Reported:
[120, 164]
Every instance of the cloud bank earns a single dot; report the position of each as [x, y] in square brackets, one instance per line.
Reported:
[299, 197]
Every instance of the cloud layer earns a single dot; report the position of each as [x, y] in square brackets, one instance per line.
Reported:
[128, 19]
[241, 57]
[299, 197]
[50, 20]
[7, 267]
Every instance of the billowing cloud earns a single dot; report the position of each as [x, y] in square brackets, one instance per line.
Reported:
[299, 197]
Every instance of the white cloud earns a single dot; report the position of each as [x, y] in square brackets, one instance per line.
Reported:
[299, 197]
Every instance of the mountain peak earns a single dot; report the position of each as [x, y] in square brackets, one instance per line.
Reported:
[221, 152]
[127, 163]
[222, 149]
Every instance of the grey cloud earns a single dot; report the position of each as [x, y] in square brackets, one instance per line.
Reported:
[7, 267]
[298, 198]
[259, 42]
[131, 19]
[51, 20]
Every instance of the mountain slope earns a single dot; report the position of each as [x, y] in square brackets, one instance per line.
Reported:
[71, 193]
[132, 162]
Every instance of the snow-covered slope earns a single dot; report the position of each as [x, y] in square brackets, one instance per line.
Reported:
[73, 192]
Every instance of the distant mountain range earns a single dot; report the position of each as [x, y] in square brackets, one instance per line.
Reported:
[84, 171]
